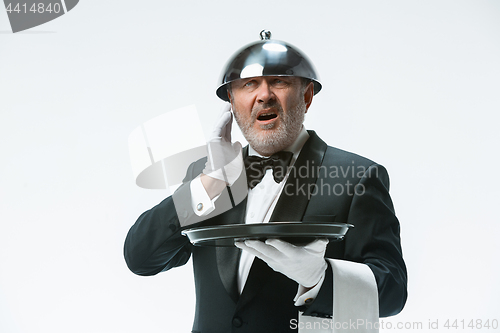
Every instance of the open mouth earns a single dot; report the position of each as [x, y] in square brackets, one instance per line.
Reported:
[266, 116]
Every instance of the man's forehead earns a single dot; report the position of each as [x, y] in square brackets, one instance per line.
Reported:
[268, 78]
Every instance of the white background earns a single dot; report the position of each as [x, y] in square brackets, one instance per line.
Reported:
[413, 85]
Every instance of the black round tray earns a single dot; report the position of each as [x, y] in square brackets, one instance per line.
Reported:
[297, 233]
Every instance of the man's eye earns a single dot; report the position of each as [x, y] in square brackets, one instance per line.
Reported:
[249, 84]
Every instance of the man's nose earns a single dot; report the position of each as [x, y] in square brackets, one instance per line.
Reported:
[264, 92]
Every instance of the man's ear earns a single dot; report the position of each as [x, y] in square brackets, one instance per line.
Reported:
[308, 95]
[229, 96]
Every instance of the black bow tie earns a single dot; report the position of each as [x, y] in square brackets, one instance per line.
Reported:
[256, 167]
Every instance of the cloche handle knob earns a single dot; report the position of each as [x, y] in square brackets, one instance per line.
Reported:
[265, 35]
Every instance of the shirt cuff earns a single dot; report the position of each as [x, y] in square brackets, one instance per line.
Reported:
[306, 296]
[200, 201]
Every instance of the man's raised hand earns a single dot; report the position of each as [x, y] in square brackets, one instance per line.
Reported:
[224, 159]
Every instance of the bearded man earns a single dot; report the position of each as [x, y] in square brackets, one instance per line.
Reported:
[260, 286]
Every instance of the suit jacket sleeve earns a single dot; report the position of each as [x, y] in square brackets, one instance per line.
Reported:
[154, 243]
[374, 241]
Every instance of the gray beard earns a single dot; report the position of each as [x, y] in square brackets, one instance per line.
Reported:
[276, 139]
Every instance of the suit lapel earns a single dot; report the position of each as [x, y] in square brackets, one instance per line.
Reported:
[227, 264]
[257, 277]
[228, 258]
[295, 196]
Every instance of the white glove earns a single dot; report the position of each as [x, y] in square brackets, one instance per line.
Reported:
[304, 264]
[224, 160]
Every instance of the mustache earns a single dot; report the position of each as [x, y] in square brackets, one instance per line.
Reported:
[272, 105]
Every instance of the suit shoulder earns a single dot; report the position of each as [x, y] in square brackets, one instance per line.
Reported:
[345, 157]
[336, 156]
[363, 166]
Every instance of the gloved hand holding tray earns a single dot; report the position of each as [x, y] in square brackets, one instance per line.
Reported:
[298, 233]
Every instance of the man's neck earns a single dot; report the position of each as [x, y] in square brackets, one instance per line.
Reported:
[295, 147]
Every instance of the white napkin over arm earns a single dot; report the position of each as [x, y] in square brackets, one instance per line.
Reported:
[355, 302]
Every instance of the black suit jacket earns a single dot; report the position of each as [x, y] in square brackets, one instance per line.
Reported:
[326, 184]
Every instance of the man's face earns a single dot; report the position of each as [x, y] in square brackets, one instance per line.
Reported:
[270, 110]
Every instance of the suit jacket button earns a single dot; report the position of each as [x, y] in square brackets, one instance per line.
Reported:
[237, 322]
